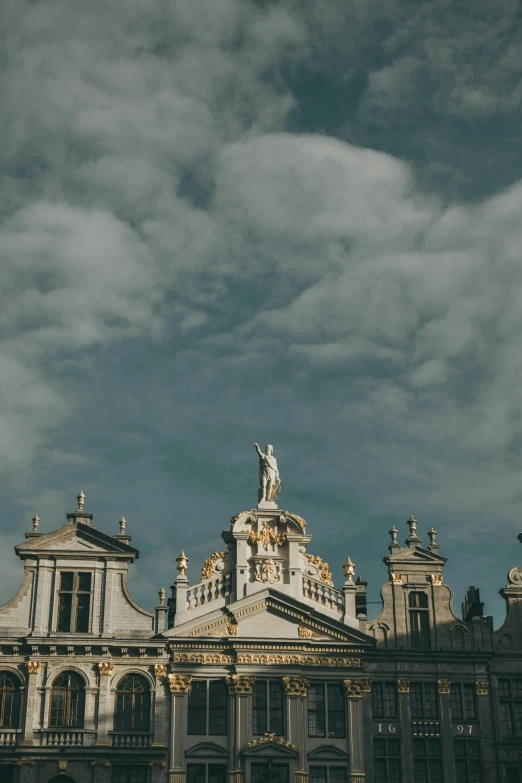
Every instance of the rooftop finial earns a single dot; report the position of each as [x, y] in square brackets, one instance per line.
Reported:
[394, 546]
[123, 522]
[349, 569]
[36, 522]
[432, 535]
[182, 561]
[162, 593]
[413, 538]
[81, 500]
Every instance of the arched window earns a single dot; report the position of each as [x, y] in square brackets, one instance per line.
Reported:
[67, 702]
[132, 710]
[419, 620]
[9, 700]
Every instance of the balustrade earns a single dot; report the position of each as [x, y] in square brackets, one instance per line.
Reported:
[8, 737]
[323, 594]
[209, 590]
[131, 740]
[63, 738]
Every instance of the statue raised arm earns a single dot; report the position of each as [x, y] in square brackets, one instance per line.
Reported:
[269, 481]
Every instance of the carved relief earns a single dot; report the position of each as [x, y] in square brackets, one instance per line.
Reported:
[266, 536]
[267, 571]
[33, 667]
[160, 670]
[436, 579]
[444, 686]
[269, 737]
[207, 572]
[106, 667]
[299, 660]
[296, 686]
[397, 579]
[203, 658]
[353, 689]
[230, 630]
[179, 683]
[482, 687]
[403, 685]
[240, 684]
[304, 633]
[234, 519]
[324, 570]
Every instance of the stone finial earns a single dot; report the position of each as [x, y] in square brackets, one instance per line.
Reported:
[394, 545]
[432, 536]
[182, 561]
[36, 522]
[123, 523]
[349, 569]
[413, 538]
[162, 593]
[81, 500]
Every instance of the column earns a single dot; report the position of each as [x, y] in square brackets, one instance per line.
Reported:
[354, 692]
[105, 706]
[446, 729]
[403, 688]
[90, 708]
[179, 688]
[240, 688]
[296, 689]
[31, 706]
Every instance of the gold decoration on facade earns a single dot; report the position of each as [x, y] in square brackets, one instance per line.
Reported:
[403, 685]
[101, 764]
[366, 684]
[179, 683]
[229, 630]
[482, 687]
[353, 689]
[269, 736]
[240, 684]
[324, 570]
[296, 686]
[436, 579]
[299, 660]
[204, 658]
[160, 670]
[207, 572]
[304, 632]
[106, 667]
[296, 516]
[267, 571]
[33, 667]
[397, 579]
[444, 686]
[234, 519]
[266, 536]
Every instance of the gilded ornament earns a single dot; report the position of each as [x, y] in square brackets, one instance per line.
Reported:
[240, 684]
[203, 658]
[33, 667]
[160, 670]
[266, 536]
[366, 684]
[444, 686]
[182, 561]
[353, 689]
[269, 736]
[324, 570]
[267, 571]
[403, 685]
[234, 519]
[179, 683]
[436, 579]
[304, 632]
[106, 667]
[297, 660]
[397, 579]
[482, 687]
[349, 569]
[207, 572]
[296, 686]
[295, 516]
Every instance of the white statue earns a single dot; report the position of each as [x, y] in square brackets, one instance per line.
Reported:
[270, 483]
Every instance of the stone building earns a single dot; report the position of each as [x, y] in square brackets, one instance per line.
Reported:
[260, 671]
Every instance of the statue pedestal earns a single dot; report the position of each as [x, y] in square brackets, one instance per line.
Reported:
[267, 504]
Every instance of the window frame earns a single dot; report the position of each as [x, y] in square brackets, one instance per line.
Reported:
[513, 703]
[146, 693]
[419, 621]
[388, 758]
[414, 684]
[269, 723]
[327, 712]
[379, 689]
[429, 759]
[207, 765]
[16, 700]
[129, 769]
[208, 708]
[68, 722]
[75, 594]
[458, 691]
[467, 760]
[329, 767]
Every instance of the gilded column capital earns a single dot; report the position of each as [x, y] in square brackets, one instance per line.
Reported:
[296, 686]
[353, 689]
[403, 685]
[444, 686]
[160, 670]
[179, 683]
[33, 667]
[105, 667]
[482, 687]
[240, 684]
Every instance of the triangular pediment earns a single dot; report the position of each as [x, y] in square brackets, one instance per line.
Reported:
[76, 539]
[415, 555]
[271, 615]
[270, 745]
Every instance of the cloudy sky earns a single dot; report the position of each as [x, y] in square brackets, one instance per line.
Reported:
[229, 221]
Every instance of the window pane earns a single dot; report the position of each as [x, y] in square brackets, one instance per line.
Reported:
[195, 773]
[434, 747]
[57, 715]
[66, 580]
[420, 771]
[394, 771]
[475, 772]
[260, 708]
[460, 749]
[132, 774]
[517, 714]
[338, 775]
[318, 775]
[419, 747]
[76, 703]
[84, 582]
[456, 703]
[417, 711]
[316, 711]
[379, 768]
[278, 772]
[336, 711]
[217, 773]
[379, 746]
[516, 689]
[430, 701]
[390, 700]
[82, 613]
[394, 747]
[277, 708]
[141, 716]
[504, 691]
[217, 715]
[435, 770]
[123, 711]
[470, 710]
[9, 708]
[64, 611]
[506, 723]
[377, 700]
[461, 771]
[197, 708]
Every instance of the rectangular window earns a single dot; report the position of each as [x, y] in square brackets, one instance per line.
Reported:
[134, 774]
[206, 773]
[386, 760]
[326, 710]
[268, 707]
[328, 774]
[384, 700]
[207, 707]
[74, 602]
[468, 766]
[427, 761]
[267, 770]
[510, 708]
[424, 701]
[463, 702]
[419, 629]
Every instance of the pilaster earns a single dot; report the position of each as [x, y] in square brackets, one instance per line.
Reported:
[403, 688]
[296, 690]
[101, 771]
[354, 691]
[240, 689]
[105, 708]
[179, 689]
[446, 729]
[33, 669]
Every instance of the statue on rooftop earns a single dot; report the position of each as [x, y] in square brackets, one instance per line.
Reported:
[269, 481]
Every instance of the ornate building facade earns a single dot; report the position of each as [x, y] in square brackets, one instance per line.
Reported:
[260, 671]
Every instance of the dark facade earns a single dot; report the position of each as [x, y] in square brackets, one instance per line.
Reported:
[260, 671]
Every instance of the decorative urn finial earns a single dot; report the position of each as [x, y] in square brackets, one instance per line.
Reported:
[162, 593]
[182, 561]
[432, 535]
[123, 522]
[81, 500]
[393, 533]
[36, 522]
[349, 569]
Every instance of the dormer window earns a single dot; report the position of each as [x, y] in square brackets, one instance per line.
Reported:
[74, 601]
[419, 620]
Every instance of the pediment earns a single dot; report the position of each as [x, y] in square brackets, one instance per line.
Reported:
[327, 752]
[75, 538]
[270, 745]
[205, 749]
[415, 555]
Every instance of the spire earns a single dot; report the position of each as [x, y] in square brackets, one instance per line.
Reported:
[413, 539]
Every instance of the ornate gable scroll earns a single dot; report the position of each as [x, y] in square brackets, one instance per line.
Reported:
[207, 572]
[323, 567]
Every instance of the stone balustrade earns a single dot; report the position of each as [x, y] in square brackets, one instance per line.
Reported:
[128, 739]
[8, 737]
[64, 738]
[209, 590]
[323, 594]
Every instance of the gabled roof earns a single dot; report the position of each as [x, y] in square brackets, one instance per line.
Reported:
[76, 539]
